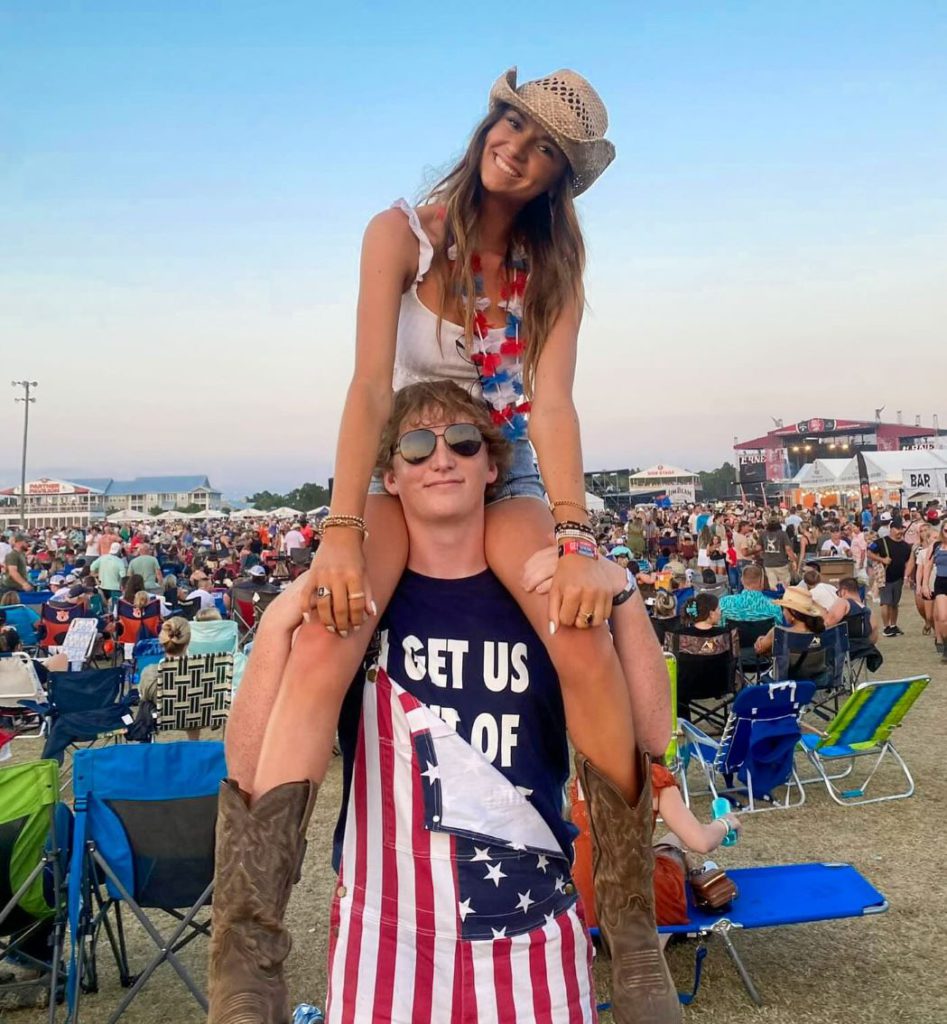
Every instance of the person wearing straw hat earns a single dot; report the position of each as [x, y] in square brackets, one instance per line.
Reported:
[802, 615]
[482, 285]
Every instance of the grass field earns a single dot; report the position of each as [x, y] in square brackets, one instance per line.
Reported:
[875, 970]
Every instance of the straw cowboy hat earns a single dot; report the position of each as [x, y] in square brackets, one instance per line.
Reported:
[799, 601]
[573, 113]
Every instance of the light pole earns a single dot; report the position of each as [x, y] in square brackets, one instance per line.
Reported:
[27, 386]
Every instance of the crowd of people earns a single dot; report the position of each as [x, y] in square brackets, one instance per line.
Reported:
[890, 549]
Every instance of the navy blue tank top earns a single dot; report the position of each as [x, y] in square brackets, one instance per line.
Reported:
[465, 649]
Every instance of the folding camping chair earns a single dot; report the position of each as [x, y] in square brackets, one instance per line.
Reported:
[144, 837]
[24, 620]
[214, 637]
[707, 661]
[84, 707]
[757, 746]
[863, 655]
[299, 559]
[219, 637]
[248, 603]
[752, 665]
[136, 624]
[32, 895]
[19, 682]
[54, 623]
[863, 728]
[820, 657]
[194, 691]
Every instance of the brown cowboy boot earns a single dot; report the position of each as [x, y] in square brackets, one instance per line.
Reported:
[643, 991]
[259, 856]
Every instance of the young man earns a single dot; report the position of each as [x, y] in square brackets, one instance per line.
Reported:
[455, 900]
[750, 604]
[778, 557]
[893, 553]
[14, 566]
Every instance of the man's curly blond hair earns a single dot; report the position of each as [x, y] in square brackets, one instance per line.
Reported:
[441, 399]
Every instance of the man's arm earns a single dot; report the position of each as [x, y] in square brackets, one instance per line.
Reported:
[639, 653]
[836, 613]
[13, 572]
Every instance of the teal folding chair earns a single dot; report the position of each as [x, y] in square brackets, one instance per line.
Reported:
[863, 728]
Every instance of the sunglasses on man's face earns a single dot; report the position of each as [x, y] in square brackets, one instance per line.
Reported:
[417, 445]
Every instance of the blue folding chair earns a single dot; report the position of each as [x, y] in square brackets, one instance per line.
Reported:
[144, 837]
[24, 620]
[819, 657]
[84, 707]
[144, 653]
[757, 747]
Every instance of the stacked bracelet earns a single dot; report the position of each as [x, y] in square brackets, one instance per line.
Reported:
[577, 546]
[571, 526]
[352, 522]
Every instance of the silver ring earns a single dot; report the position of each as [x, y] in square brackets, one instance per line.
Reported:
[323, 592]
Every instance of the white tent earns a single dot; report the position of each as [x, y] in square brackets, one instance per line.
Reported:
[593, 502]
[887, 468]
[661, 471]
[285, 512]
[172, 514]
[247, 513]
[821, 473]
[210, 513]
[126, 515]
[322, 510]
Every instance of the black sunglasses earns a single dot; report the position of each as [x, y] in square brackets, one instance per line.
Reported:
[417, 445]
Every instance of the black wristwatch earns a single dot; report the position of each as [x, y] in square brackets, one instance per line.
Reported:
[630, 587]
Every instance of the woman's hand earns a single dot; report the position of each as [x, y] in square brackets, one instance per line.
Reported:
[541, 567]
[336, 584]
[581, 592]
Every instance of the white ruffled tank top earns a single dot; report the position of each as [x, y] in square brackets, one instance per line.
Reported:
[419, 355]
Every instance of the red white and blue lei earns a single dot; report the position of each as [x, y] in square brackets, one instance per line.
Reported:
[499, 358]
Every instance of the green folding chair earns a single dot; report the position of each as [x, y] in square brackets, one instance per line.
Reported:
[32, 893]
[862, 728]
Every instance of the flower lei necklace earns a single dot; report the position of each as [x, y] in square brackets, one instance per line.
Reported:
[499, 360]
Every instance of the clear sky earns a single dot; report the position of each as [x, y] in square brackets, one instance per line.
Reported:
[184, 184]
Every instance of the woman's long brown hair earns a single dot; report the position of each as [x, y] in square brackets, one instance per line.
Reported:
[548, 230]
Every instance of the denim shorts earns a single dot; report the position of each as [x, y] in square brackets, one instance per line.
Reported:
[521, 480]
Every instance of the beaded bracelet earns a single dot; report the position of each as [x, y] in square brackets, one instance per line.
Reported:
[578, 547]
[571, 524]
[574, 535]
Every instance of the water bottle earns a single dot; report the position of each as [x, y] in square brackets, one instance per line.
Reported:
[719, 808]
[305, 1013]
